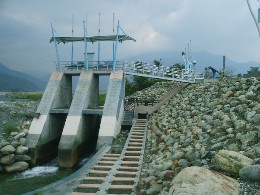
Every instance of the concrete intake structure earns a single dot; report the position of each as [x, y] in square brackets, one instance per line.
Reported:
[80, 131]
[113, 109]
[72, 126]
[45, 131]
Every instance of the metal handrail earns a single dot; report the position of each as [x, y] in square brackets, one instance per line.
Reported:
[139, 69]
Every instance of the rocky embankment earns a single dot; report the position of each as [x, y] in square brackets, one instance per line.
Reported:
[15, 120]
[203, 139]
[155, 92]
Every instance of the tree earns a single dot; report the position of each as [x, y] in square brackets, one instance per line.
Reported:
[178, 66]
[138, 83]
[157, 63]
[253, 72]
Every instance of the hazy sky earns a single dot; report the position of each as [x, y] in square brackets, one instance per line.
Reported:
[223, 27]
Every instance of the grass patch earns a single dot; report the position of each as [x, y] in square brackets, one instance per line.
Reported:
[27, 96]
[9, 128]
[102, 99]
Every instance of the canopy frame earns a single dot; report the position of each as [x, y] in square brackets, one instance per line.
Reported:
[115, 38]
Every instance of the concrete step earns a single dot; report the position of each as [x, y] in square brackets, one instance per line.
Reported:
[133, 153]
[120, 189]
[97, 173]
[125, 168]
[111, 155]
[108, 158]
[135, 144]
[123, 181]
[134, 148]
[135, 140]
[139, 127]
[126, 174]
[137, 137]
[93, 180]
[137, 133]
[88, 188]
[106, 162]
[131, 158]
[129, 163]
[102, 167]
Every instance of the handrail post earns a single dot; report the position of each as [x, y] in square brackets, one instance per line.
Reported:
[86, 49]
[114, 59]
[56, 47]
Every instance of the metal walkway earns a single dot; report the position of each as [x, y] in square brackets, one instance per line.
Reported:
[132, 68]
[118, 173]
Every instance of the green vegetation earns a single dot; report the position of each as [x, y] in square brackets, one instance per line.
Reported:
[102, 98]
[24, 95]
[139, 83]
[9, 128]
[253, 72]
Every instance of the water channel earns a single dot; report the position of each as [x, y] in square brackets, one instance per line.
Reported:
[34, 178]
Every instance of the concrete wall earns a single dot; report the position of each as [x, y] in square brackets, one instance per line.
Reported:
[45, 131]
[79, 130]
[74, 133]
[113, 109]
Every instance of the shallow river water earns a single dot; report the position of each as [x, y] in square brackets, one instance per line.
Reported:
[33, 178]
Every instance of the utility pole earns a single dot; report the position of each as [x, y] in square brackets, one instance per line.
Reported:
[224, 66]
[257, 20]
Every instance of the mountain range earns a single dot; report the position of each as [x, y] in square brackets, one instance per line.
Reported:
[12, 80]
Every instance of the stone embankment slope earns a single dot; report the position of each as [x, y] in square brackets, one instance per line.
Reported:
[15, 120]
[209, 130]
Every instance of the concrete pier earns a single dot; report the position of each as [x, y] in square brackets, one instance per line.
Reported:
[69, 126]
[80, 131]
[45, 131]
[113, 109]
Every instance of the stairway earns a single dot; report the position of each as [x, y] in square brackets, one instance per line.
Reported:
[117, 173]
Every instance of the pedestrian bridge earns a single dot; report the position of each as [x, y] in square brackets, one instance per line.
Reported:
[132, 68]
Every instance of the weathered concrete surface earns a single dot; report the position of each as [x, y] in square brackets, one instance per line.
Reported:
[79, 133]
[113, 109]
[45, 131]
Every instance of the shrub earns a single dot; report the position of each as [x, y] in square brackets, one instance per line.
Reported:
[9, 128]
[102, 98]
[28, 96]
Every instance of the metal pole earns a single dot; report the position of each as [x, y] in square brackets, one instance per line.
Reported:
[86, 48]
[256, 20]
[224, 66]
[56, 48]
[113, 34]
[114, 59]
[254, 17]
[99, 42]
[72, 49]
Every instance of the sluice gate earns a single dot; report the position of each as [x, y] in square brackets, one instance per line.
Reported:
[71, 125]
